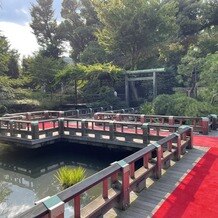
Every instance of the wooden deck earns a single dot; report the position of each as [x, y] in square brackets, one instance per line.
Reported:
[146, 203]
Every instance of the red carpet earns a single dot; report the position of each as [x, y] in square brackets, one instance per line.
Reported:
[205, 141]
[197, 194]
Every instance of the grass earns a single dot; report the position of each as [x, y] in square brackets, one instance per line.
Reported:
[68, 176]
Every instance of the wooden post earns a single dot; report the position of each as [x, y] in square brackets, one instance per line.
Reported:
[142, 119]
[125, 194]
[127, 89]
[84, 126]
[118, 117]
[105, 188]
[145, 133]
[61, 126]
[159, 161]
[91, 112]
[214, 121]
[77, 113]
[35, 129]
[28, 116]
[190, 145]
[96, 116]
[132, 170]
[205, 125]
[111, 130]
[154, 85]
[61, 114]
[77, 211]
[178, 153]
[46, 114]
[11, 124]
[55, 207]
[145, 160]
[171, 122]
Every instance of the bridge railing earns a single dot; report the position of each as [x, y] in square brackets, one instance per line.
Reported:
[74, 127]
[199, 124]
[117, 180]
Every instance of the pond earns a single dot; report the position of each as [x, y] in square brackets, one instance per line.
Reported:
[27, 175]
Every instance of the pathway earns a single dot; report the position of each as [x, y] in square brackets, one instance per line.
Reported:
[189, 188]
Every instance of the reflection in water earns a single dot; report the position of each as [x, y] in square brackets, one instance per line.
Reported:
[27, 175]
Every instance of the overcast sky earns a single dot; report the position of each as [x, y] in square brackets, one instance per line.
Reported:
[14, 24]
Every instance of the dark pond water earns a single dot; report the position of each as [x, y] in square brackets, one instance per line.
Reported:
[27, 175]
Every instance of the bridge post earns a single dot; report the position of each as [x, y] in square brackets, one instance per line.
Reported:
[46, 114]
[111, 130]
[125, 192]
[55, 207]
[142, 119]
[214, 121]
[61, 126]
[11, 124]
[171, 122]
[158, 166]
[91, 112]
[28, 116]
[205, 125]
[35, 129]
[179, 143]
[84, 126]
[96, 116]
[145, 133]
[61, 114]
[190, 146]
[77, 113]
[118, 117]
[77, 212]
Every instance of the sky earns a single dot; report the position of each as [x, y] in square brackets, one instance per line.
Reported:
[14, 24]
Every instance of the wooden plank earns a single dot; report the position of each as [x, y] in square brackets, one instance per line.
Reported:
[140, 78]
[159, 70]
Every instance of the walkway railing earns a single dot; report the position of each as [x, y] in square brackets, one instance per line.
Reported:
[199, 124]
[34, 132]
[117, 180]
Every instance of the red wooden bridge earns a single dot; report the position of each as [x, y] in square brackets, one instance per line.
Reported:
[176, 181]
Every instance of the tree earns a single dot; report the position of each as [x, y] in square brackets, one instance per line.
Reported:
[13, 66]
[79, 25]
[209, 76]
[43, 70]
[45, 28]
[135, 29]
[4, 54]
[193, 63]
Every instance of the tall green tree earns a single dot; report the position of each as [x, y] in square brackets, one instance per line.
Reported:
[4, 54]
[79, 25]
[135, 29]
[45, 28]
[43, 71]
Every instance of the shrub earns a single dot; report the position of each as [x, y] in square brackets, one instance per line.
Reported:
[68, 176]
[178, 105]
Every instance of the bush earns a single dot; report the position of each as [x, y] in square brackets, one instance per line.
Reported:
[68, 176]
[178, 105]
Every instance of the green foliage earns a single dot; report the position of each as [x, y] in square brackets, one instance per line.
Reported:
[80, 22]
[147, 108]
[178, 105]
[43, 70]
[135, 29]
[68, 176]
[45, 28]
[209, 76]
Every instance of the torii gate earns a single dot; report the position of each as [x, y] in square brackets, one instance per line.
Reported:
[139, 75]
